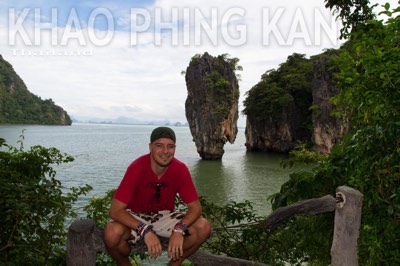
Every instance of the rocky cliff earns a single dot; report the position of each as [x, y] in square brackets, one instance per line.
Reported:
[279, 107]
[19, 106]
[327, 130]
[275, 135]
[212, 103]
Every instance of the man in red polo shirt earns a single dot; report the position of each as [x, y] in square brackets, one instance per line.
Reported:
[144, 205]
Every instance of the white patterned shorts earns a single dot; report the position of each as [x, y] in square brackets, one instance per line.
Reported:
[163, 222]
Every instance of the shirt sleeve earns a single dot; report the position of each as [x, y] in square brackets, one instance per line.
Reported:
[187, 189]
[127, 186]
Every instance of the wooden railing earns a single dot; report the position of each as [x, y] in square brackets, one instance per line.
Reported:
[85, 239]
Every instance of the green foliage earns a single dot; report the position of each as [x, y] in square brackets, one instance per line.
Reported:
[195, 58]
[98, 208]
[369, 74]
[218, 84]
[370, 81]
[265, 101]
[19, 106]
[232, 61]
[237, 233]
[33, 206]
[352, 13]
[368, 159]
[303, 154]
[289, 85]
[232, 238]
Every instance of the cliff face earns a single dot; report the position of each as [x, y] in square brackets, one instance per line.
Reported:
[212, 103]
[278, 134]
[277, 108]
[19, 106]
[327, 130]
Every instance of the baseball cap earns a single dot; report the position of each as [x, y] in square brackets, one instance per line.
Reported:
[162, 132]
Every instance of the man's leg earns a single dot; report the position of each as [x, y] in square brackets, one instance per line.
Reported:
[116, 238]
[199, 232]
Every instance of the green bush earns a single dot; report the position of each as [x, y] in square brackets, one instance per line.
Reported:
[33, 206]
[368, 159]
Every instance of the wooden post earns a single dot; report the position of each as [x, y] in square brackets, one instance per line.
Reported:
[347, 225]
[81, 250]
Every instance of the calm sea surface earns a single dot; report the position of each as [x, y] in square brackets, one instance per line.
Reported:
[102, 153]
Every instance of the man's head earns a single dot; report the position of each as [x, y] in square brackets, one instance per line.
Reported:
[162, 132]
[162, 146]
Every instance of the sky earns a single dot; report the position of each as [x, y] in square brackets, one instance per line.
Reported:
[124, 59]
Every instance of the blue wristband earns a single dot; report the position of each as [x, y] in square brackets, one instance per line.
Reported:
[147, 229]
[139, 227]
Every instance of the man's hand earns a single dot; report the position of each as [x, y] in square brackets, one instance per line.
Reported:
[175, 246]
[153, 244]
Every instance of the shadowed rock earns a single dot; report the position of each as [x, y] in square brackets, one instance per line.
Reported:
[327, 130]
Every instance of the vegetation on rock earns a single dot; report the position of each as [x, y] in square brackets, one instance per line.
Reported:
[218, 85]
[289, 84]
[278, 108]
[19, 106]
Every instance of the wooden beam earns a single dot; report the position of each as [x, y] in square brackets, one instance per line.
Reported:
[311, 206]
[201, 258]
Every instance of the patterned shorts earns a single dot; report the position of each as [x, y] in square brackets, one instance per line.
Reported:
[163, 222]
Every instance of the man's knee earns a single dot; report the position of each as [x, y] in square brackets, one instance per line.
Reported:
[203, 228]
[113, 233]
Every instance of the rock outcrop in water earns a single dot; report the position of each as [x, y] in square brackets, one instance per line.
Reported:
[212, 103]
[278, 107]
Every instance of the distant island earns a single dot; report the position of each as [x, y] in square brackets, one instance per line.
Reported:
[128, 122]
[19, 106]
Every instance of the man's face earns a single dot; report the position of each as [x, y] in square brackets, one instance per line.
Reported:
[162, 151]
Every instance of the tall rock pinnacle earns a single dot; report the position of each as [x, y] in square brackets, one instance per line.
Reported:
[212, 103]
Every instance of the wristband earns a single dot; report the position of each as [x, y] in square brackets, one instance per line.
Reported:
[139, 228]
[181, 226]
[180, 231]
[145, 230]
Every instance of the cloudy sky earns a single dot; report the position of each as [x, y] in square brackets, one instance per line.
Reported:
[110, 59]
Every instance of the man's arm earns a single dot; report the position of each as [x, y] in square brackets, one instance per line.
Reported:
[193, 213]
[119, 214]
[175, 246]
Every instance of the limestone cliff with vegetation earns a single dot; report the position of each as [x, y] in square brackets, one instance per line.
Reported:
[277, 108]
[290, 105]
[212, 103]
[19, 106]
[327, 129]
